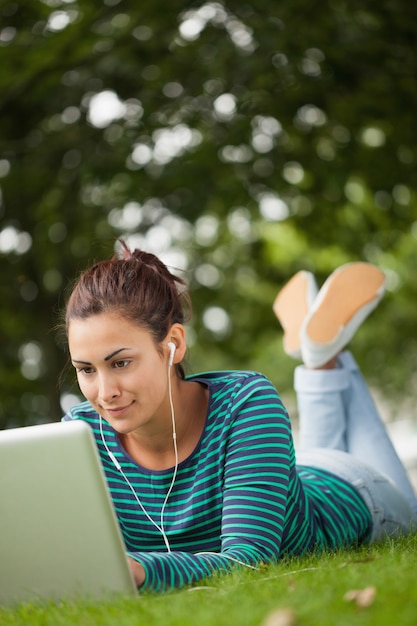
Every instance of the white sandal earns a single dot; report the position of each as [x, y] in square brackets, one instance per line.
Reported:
[291, 307]
[344, 301]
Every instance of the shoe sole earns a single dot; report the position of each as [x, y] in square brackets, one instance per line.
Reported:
[291, 307]
[345, 300]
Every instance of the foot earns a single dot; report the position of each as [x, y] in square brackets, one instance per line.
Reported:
[345, 300]
[291, 307]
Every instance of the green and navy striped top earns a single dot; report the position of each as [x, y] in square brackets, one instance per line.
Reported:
[237, 497]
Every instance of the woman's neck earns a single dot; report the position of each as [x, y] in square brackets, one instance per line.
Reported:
[155, 450]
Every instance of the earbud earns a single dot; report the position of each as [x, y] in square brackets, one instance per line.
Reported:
[172, 347]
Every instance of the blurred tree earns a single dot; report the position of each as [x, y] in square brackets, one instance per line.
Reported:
[240, 141]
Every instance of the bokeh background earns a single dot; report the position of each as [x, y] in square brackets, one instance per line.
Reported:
[240, 140]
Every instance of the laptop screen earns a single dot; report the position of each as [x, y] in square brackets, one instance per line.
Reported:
[59, 534]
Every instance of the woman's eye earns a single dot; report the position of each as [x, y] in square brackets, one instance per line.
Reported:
[121, 364]
[84, 370]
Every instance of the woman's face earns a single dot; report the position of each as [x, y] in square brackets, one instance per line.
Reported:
[120, 371]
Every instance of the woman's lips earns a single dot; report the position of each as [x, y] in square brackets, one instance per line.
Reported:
[118, 411]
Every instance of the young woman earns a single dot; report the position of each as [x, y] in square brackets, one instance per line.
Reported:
[201, 468]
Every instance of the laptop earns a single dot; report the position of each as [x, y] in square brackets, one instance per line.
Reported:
[59, 535]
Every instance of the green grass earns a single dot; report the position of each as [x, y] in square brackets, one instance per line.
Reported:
[311, 588]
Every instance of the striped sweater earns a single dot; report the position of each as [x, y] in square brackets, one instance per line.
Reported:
[237, 498]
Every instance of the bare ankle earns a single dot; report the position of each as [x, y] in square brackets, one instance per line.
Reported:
[327, 366]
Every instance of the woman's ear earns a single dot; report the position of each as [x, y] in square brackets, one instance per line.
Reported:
[176, 343]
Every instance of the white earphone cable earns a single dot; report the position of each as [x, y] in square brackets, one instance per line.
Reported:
[174, 439]
[160, 527]
[230, 558]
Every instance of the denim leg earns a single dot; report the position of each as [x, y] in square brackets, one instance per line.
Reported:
[336, 411]
[391, 513]
[367, 437]
[321, 407]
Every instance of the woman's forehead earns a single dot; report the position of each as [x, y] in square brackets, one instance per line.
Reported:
[105, 328]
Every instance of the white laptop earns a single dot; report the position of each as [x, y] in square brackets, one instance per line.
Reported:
[59, 535]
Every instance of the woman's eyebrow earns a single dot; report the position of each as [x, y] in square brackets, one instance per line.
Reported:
[109, 356]
[106, 358]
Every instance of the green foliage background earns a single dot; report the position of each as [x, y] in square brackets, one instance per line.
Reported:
[312, 165]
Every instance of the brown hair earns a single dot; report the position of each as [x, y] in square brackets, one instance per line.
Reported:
[135, 285]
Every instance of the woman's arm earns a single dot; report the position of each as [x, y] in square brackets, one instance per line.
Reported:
[258, 459]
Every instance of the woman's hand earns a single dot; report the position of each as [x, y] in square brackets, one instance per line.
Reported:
[137, 570]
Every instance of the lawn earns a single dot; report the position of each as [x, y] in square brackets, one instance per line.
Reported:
[367, 586]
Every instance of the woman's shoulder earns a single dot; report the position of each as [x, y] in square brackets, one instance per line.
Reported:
[242, 396]
[234, 382]
[83, 411]
[233, 377]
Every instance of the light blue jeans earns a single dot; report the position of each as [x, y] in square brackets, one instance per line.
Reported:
[342, 431]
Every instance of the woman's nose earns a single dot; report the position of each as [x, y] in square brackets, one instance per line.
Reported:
[107, 389]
